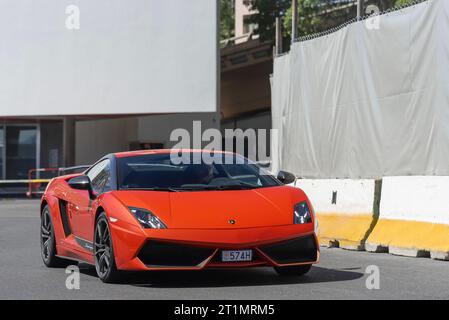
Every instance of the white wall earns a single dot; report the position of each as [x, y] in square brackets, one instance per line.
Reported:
[257, 121]
[96, 138]
[127, 57]
[353, 196]
[415, 198]
[158, 128]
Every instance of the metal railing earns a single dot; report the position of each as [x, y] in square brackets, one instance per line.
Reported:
[245, 37]
[37, 180]
[35, 184]
[363, 17]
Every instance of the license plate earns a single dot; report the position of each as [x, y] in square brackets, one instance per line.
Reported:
[236, 255]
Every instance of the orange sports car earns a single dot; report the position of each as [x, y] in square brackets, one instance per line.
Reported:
[157, 210]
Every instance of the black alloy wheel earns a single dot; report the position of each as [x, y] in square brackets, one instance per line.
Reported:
[48, 242]
[103, 251]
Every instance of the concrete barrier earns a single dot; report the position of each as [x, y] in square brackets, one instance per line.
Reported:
[414, 217]
[347, 210]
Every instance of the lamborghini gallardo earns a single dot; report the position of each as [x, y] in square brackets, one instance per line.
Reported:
[154, 210]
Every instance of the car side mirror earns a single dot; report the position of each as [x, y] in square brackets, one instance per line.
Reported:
[82, 183]
[286, 177]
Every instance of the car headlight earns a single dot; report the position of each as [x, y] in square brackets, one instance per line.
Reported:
[302, 213]
[147, 219]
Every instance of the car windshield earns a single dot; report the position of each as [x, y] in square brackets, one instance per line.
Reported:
[162, 172]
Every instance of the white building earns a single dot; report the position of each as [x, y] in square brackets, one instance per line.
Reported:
[82, 78]
[243, 25]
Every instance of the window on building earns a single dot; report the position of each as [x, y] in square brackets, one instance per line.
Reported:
[248, 26]
[248, 3]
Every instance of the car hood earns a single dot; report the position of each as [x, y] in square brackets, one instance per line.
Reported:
[229, 209]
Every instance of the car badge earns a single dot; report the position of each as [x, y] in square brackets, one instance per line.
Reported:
[231, 221]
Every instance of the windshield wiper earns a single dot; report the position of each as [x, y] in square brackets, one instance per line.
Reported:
[250, 185]
[236, 187]
[242, 186]
[154, 189]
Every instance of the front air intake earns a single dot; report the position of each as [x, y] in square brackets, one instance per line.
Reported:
[64, 218]
[297, 250]
[168, 254]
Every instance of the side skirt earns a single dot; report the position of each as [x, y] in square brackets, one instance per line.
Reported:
[75, 259]
[89, 246]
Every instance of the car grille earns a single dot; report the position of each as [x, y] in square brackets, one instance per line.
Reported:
[168, 254]
[292, 251]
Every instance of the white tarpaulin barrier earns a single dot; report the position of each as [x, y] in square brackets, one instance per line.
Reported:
[365, 102]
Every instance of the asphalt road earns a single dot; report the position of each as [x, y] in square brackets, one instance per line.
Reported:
[340, 275]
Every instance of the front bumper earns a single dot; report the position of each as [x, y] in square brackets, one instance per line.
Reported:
[195, 249]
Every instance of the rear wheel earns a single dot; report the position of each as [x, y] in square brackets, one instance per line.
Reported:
[48, 242]
[293, 270]
[104, 252]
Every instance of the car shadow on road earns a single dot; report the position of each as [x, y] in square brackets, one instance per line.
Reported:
[229, 278]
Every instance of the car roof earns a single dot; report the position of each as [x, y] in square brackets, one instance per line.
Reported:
[127, 154]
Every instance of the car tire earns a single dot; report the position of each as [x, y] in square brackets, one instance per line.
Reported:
[293, 270]
[104, 251]
[48, 242]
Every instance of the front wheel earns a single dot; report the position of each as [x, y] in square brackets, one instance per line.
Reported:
[104, 252]
[293, 270]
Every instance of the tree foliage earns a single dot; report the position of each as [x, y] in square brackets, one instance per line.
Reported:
[227, 18]
[313, 16]
[402, 2]
[268, 11]
[309, 19]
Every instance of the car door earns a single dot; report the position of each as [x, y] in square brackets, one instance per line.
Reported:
[81, 203]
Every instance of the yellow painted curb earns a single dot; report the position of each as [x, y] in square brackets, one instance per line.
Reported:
[350, 230]
[410, 235]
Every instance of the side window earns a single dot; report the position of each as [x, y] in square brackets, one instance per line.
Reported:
[100, 177]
